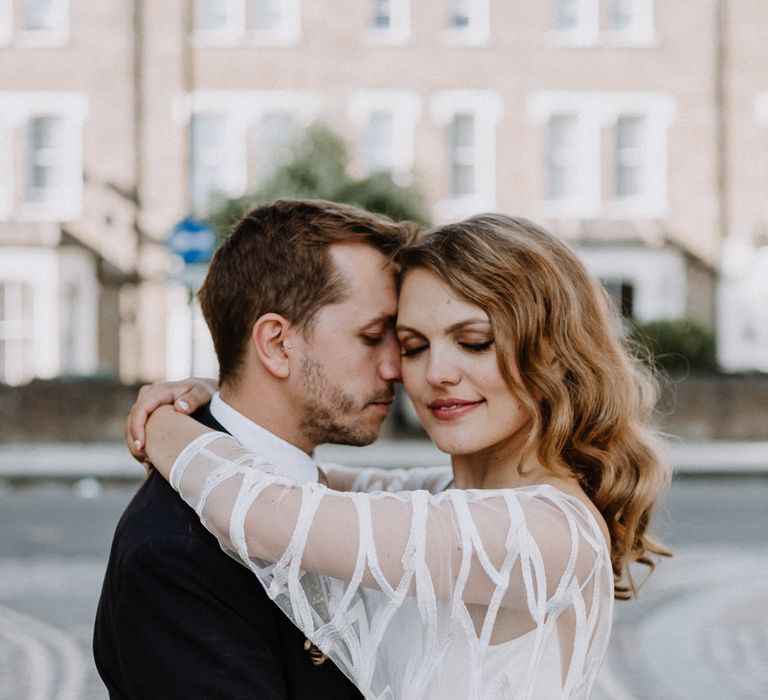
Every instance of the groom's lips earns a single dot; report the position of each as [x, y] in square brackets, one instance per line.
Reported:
[383, 404]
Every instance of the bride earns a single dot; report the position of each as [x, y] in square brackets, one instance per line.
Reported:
[498, 579]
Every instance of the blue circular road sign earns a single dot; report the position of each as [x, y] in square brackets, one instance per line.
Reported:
[194, 240]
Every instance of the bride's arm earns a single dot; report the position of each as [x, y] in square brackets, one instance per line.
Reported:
[168, 433]
[461, 543]
[185, 395]
[368, 479]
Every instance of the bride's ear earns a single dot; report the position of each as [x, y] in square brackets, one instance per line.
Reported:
[269, 338]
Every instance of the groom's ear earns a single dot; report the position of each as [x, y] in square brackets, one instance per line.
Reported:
[269, 340]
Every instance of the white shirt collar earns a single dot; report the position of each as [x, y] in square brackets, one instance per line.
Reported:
[288, 459]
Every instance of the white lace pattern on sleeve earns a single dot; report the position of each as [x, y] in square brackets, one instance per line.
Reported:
[477, 595]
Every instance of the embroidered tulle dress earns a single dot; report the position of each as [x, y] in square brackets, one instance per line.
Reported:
[423, 592]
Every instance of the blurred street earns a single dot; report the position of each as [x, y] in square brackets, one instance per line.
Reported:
[699, 631]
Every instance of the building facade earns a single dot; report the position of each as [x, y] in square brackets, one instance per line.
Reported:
[636, 129]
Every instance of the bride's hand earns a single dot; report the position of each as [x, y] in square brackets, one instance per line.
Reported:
[186, 396]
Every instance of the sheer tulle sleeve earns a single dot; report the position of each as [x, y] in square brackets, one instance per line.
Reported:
[365, 480]
[461, 594]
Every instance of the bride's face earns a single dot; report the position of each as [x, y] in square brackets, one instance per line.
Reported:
[450, 370]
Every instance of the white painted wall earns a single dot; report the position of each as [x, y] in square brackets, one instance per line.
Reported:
[743, 306]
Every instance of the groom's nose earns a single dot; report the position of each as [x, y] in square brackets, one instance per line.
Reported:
[389, 361]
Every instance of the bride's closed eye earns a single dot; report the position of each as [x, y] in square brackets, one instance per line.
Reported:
[413, 350]
[477, 347]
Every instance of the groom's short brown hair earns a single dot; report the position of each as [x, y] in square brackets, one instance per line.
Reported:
[276, 260]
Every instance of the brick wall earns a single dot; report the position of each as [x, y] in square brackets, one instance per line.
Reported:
[732, 407]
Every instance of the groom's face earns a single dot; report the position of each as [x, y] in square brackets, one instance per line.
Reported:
[351, 358]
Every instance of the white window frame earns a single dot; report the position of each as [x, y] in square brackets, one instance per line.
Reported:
[487, 109]
[16, 109]
[243, 109]
[286, 33]
[640, 32]
[761, 116]
[224, 185]
[405, 107]
[477, 31]
[52, 157]
[658, 275]
[6, 22]
[761, 108]
[598, 111]
[231, 33]
[399, 30]
[57, 36]
[572, 153]
[633, 157]
[586, 31]
[280, 145]
[39, 268]
[6, 167]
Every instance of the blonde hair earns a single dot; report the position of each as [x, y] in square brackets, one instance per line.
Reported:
[591, 402]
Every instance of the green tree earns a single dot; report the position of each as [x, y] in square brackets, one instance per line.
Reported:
[676, 346]
[317, 169]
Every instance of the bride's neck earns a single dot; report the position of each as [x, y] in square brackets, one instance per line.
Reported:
[499, 469]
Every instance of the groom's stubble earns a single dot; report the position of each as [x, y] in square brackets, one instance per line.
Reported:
[331, 415]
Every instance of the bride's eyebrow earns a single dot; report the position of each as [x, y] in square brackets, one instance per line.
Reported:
[461, 325]
[407, 329]
[453, 328]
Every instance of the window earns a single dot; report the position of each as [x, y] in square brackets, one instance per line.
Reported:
[277, 133]
[41, 145]
[576, 22]
[17, 332]
[6, 172]
[469, 118]
[386, 120]
[462, 155]
[566, 14]
[629, 151]
[238, 137]
[390, 21]
[208, 159]
[378, 142]
[382, 14]
[468, 22]
[274, 21]
[602, 22]
[605, 153]
[44, 22]
[6, 21]
[460, 13]
[562, 163]
[267, 14]
[46, 158]
[622, 293]
[218, 21]
[620, 14]
[269, 22]
[630, 21]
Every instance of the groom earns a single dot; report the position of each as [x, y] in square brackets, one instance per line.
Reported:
[300, 300]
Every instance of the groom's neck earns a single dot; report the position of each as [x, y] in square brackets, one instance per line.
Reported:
[270, 408]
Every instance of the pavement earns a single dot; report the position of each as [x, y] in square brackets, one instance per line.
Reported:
[111, 461]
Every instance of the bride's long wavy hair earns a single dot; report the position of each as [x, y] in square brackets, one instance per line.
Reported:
[590, 400]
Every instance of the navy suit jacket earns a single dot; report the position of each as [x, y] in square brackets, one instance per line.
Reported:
[178, 618]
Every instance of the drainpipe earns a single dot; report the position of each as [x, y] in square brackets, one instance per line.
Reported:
[721, 115]
[721, 125]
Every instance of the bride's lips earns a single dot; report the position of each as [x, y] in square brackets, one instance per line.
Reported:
[451, 408]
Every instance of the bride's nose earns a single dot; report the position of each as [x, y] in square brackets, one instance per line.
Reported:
[441, 367]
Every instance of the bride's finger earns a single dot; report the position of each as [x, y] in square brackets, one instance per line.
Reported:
[198, 394]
